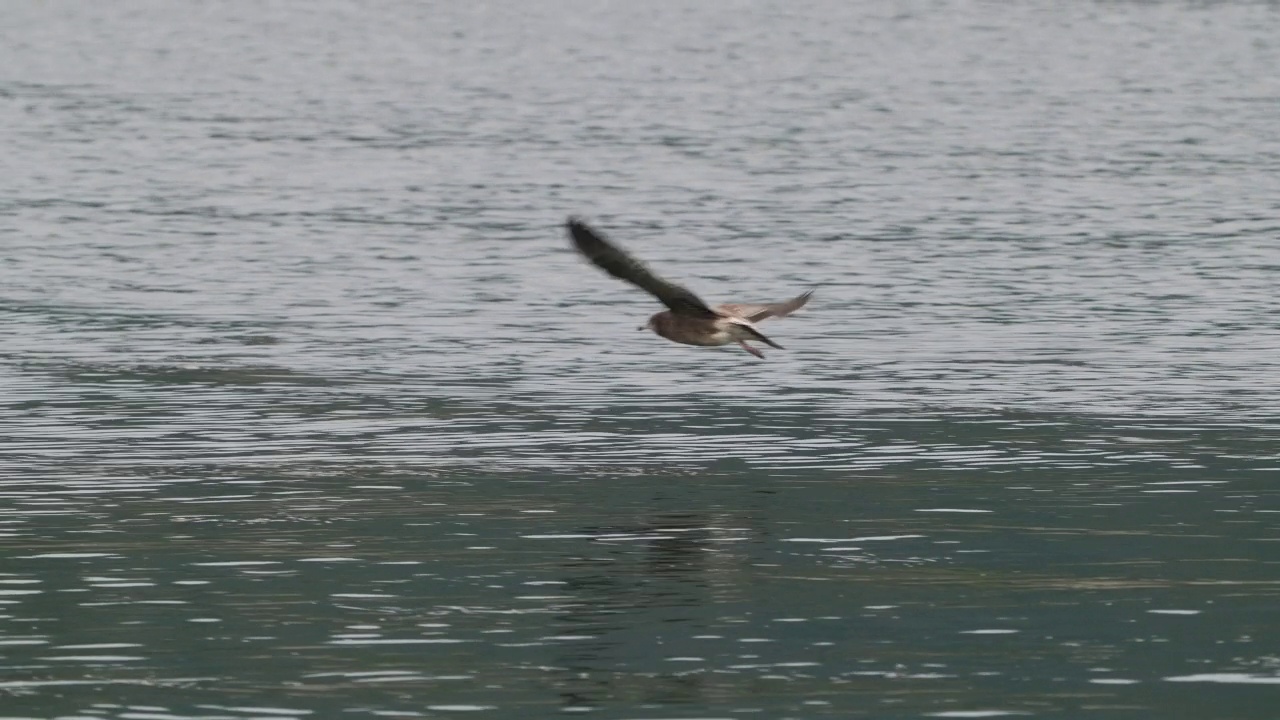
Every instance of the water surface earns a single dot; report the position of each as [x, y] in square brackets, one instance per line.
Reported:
[307, 408]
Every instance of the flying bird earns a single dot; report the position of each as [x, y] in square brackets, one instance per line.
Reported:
[687, 319]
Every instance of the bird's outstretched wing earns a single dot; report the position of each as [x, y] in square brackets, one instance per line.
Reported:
[756, 313]
[615, 261]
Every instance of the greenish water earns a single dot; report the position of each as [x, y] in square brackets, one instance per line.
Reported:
[307, 409]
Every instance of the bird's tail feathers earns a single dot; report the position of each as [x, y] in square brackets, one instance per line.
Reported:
[751, 329]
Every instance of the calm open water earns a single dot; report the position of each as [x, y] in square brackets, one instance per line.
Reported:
[307, 409]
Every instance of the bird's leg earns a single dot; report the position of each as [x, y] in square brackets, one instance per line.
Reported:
[751, 350]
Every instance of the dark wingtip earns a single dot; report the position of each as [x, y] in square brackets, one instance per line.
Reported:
[579, 229]
[583, 237]
[803, 298]
[577, 225]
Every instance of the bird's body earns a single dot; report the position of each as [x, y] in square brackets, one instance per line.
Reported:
[708, 332]
[688, 319]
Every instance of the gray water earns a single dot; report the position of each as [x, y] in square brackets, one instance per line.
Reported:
[307, 408]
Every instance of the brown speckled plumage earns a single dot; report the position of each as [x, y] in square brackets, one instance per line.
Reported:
[688, 319]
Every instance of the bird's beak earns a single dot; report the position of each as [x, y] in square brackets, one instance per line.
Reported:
[642, 327]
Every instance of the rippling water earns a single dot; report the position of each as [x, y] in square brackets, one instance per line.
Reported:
[308, 408]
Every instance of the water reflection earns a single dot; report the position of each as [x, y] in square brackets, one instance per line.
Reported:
[631, 583]
[722, 588]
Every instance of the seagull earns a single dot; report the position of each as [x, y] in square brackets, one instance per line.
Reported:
[687, 319]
